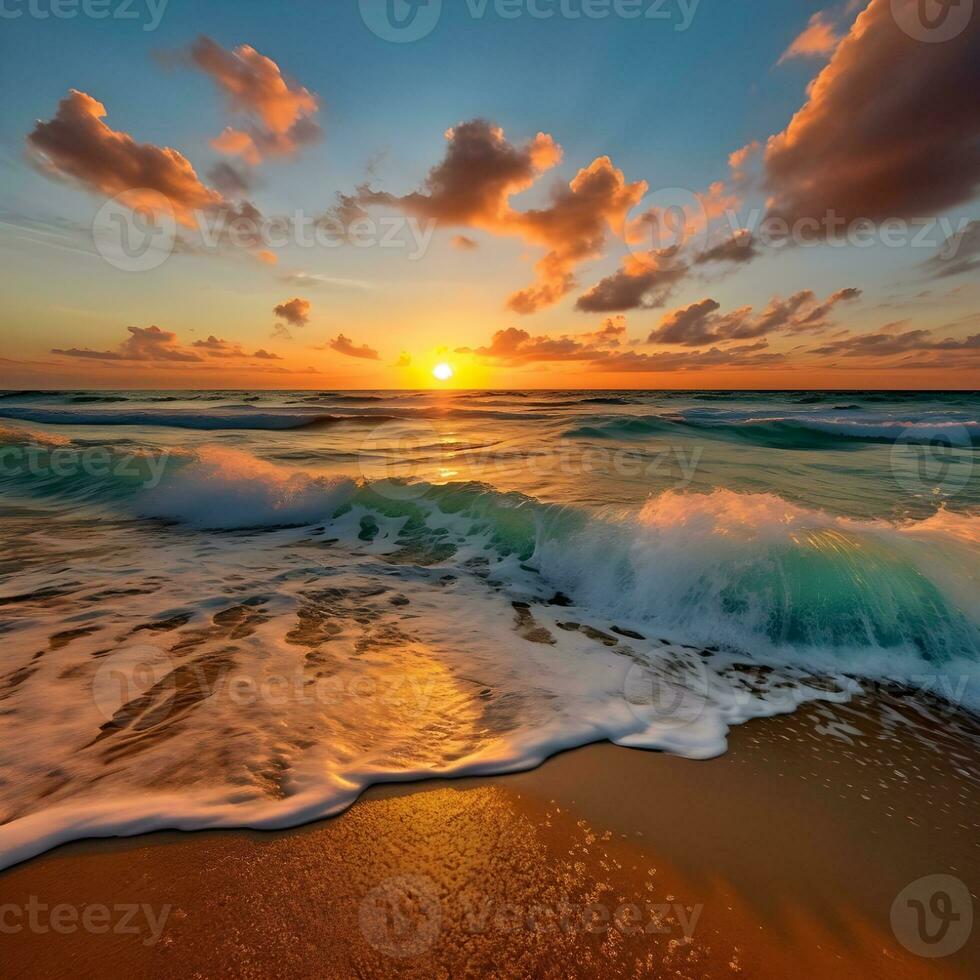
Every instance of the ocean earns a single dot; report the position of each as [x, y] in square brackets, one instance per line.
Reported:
[229, 608]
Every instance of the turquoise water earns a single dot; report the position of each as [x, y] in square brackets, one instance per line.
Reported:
[514, 564]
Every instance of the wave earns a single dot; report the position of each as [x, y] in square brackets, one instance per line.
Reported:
[214, 420]
[757, 573]
[224, 489]
[751, 571]
[790, 432]
[244, 417]
[689, 597]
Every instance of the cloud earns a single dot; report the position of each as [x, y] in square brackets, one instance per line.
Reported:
[740, 247]
[646, 279]
[276, 114]
[516, 347]
[216, 347]
[748, 355]
[959, 254]
[818, 40]
[294, 311]
[463, 243]
[267, 258]
[473, 184]
[344, 345]
[739, 160]
[889, 129]
[574, 229]
[404, 360]
[611, 334]
[230, 180]
[692, 326]
[643, 282]
[701, 323]
[887, 343]
[151, 345]
[77, 146]
[143, 344]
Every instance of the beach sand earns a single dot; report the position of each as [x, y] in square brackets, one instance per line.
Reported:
[783, 858]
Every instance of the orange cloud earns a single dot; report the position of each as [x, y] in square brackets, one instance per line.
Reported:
[701, 323]
[478, 175]
[344, 345]
[482, 171]
[294, 311]
[818, 40]
[277, 114]
[516, 347]
[215, 347]
[889, 129]
[642, 283]
[143, 344]
[574, 228]
[76, 145]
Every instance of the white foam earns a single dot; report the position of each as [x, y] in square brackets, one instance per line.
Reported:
[226, 488]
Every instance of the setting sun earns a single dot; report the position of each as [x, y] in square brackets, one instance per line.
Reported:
[442, 372]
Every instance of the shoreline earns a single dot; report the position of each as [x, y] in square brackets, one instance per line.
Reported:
[787, 854]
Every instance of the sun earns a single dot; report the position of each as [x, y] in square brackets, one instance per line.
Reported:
[442, 372]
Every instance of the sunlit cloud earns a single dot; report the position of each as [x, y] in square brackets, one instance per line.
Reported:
[344, 345]
[818, 40]
[77, 146]
[295, 312]
[276, 114]
[889, 129]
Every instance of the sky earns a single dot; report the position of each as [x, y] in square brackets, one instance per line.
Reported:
[537, 193]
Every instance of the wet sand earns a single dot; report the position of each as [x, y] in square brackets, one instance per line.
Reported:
[784, 857]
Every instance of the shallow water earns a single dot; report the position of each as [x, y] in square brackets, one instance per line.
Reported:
[239, 608]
